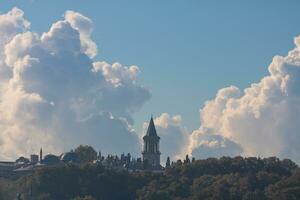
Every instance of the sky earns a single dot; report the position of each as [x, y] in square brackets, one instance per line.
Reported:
[185, 51]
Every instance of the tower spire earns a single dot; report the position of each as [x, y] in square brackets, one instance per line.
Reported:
[151, 131]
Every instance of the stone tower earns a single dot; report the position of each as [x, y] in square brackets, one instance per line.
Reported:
[151, 153]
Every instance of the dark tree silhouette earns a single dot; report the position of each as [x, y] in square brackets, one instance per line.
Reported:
[168, 163]
[86, 153]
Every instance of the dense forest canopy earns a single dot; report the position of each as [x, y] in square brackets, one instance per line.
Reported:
[223, 178]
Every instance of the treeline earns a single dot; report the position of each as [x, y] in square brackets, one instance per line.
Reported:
[227, 178]
[224, 178]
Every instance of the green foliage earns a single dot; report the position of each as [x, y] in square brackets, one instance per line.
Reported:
[224, 178]
[72, 181]
[84, 198]
[286, 188]
[86, 153]
[44, 196]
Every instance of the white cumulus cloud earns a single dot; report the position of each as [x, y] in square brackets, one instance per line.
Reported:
[263, 120]
[54, 95]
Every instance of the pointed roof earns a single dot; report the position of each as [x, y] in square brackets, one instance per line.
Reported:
[151, 128]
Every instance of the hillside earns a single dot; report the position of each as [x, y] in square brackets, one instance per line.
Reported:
[224, 178]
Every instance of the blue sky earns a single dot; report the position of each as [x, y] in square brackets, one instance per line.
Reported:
[186, 50]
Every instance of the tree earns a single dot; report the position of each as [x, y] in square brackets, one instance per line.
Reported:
[84, 198]
[44, 196]
[22, 160]
[193, 159]
[168, 164]
[179, 162]
[86, 153]
[187, 159]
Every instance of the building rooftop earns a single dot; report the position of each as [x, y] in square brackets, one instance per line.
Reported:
[151, 131]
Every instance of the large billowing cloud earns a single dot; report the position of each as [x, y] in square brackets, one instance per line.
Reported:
[54, 95]
[263, 119]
